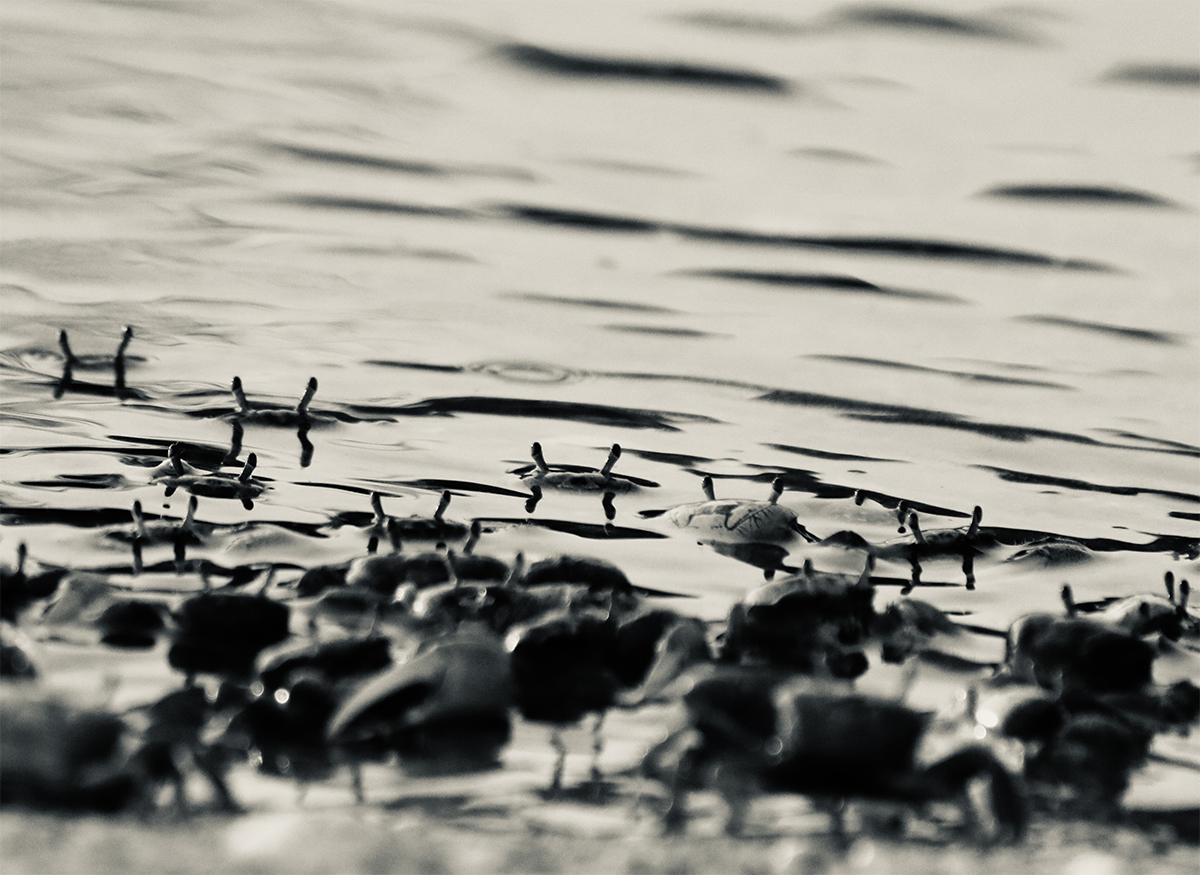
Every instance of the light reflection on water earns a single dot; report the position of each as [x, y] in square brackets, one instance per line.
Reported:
[807, 273]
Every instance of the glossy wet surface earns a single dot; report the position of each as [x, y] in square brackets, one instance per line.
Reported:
[947, 259]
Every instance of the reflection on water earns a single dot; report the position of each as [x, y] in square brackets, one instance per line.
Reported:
[954, 252]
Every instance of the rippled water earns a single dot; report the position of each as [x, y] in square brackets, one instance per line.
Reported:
[949, 258]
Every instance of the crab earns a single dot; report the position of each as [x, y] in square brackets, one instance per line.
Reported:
[753, 730]
[575, 478]
[420, 528]
[967, 543]
[582, 659]
[299, 416]
[812, 621]
[176, 473]
[93, 362]
[445, 708]
[165, 532]
[736, 520]
[224, 632]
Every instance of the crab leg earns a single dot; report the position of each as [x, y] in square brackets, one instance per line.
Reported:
[560, 764]
[139, 522]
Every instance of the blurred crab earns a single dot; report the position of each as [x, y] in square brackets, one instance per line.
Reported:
[753, 730]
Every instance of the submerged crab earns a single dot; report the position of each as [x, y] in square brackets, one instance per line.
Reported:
[576, 478]
[752, 730]
[737, 520]
[299, 416]
[967, 543]
[176, 473]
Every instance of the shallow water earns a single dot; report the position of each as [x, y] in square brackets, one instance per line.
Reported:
[951, 260]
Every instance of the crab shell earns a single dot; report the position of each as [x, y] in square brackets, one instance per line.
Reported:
[733, 520]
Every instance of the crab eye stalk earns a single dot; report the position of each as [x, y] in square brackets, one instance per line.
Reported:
[610, 510]
[915, 525]
[535, 496]
[309, 392]
[776, 490]
[65, 345]
[443, 503]
[707, 486]
[175, 456]
[239, 395]
[393, 531]
[613, 455]
[1169, 582]
[976, 519]
[539, 460]
[472, 537]
[1068, 600]
[901, 515]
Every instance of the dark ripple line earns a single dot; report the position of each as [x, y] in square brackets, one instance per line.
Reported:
[828, 282]
[398, 165]
[903, 18]
[1083, 485]
[965, 375]
[585, 66]
[1101, 328]
[597, 414]
[375, 205]
[896, 246]
[902, 415]
[1098, 195]
[1164, 75]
